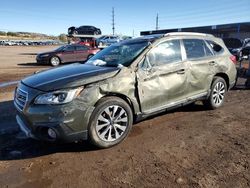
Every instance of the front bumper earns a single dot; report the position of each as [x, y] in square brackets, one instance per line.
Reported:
[39, 132]
[42, 60]
[24, 128]
[68, 121]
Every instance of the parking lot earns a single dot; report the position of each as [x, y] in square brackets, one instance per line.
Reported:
[188, 147]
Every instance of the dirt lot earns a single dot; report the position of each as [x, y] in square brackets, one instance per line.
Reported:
[189, 147]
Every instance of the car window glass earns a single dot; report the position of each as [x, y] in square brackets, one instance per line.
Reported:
[69, 48]
[81, 48]
[194, 48]
[165, 53]
[207, 50]
[217, 49]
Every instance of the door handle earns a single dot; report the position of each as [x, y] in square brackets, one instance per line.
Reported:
[181, 71]
[211, 63]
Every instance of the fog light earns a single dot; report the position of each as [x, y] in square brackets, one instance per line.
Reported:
[51, 133]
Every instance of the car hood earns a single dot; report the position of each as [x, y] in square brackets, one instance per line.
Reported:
[69, 76]
[43, 53]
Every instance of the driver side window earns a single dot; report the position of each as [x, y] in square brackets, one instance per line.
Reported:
[69, 48]
[165, 53]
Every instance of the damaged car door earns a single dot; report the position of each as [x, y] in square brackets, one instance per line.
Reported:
[162, 77]
[202, 65]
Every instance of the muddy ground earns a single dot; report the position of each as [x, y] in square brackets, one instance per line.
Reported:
[188, 147]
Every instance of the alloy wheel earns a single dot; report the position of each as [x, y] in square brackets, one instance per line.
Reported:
[55, 61]
[111, 124]
[218, 93]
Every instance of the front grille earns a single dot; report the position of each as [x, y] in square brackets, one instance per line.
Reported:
[21, 98]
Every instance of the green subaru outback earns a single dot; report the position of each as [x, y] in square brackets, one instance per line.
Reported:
[131, 80]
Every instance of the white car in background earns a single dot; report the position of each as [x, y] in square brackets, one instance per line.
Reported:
[108, 40]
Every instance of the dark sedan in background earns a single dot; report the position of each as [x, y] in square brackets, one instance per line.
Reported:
[84, 30]
[67, 53]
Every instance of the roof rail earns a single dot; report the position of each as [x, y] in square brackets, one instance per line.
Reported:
[188, 33]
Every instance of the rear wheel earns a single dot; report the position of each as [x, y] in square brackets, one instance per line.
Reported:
[217, 95]
[55, 61]
[110, 123]
[91, 55]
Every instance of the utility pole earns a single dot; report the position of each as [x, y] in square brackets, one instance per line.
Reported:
[157, 22]
[113, 20]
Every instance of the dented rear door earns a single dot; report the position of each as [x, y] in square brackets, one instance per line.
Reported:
[202, 65]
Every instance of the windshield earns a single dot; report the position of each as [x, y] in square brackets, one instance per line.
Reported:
[60, 48]
[118, 54]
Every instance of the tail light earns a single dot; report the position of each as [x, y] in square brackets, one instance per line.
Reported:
[233, 59]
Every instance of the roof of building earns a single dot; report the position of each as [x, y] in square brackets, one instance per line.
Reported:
[211, 29]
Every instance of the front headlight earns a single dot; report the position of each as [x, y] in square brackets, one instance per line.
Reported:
[58, 97]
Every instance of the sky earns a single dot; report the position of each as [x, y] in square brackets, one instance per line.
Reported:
[131, 16]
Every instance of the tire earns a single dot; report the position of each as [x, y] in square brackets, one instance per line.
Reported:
[217, 95]
[91, 55]
[110, 122]
[236, 79]
[55, 61]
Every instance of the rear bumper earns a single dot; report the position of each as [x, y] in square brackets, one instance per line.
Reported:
[232, 84]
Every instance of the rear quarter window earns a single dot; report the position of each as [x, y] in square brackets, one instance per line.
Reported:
[217, 49]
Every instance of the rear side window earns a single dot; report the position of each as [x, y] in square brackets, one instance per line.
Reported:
[81, 48]
[165, 53]
[194, 48]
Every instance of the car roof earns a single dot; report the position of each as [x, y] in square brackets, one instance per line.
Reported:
[85, 26]
[153, 37]
[147, 38]
[76, 45]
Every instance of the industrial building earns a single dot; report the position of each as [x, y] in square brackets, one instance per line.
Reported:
[233, 30]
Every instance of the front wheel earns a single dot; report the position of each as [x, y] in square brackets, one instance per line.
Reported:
[217, 95]
[55, 61]
[110, 122]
